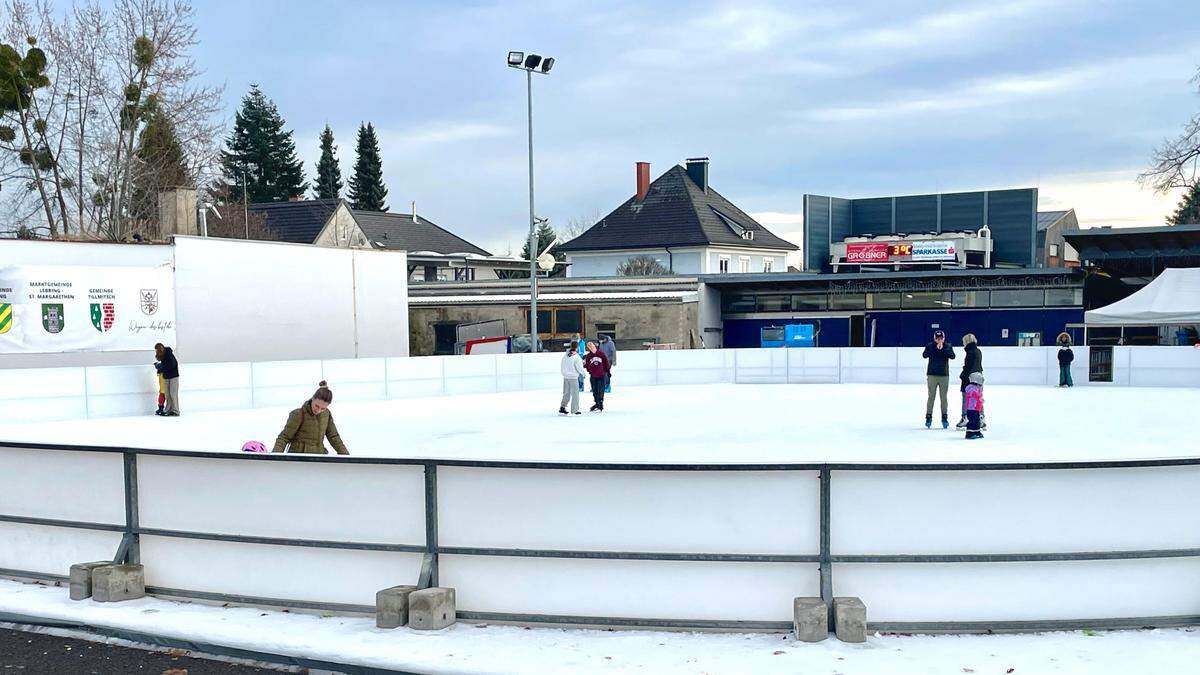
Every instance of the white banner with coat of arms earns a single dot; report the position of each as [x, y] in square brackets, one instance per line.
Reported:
[51, 308]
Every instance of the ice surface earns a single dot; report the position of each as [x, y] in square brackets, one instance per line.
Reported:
[711, 423]
[476, 648]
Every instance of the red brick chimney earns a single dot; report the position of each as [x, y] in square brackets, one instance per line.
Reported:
[643, 180]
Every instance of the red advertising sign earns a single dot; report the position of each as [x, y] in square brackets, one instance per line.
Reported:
[866, 253]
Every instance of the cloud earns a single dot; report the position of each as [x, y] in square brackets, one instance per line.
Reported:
[450, 132]
[1106, 198]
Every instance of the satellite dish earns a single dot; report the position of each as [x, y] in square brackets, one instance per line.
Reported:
[545, 262]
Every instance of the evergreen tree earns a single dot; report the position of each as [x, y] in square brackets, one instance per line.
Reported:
[260, 149]
[161, 165]
[545, 235]
[367, 191]
[329, 175]
[1188, 212]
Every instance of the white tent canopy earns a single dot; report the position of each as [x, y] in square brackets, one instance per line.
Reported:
[1173, 298]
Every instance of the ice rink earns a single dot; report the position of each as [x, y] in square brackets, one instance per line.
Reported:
[717, 423]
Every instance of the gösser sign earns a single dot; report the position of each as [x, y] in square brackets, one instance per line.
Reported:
[48, 308]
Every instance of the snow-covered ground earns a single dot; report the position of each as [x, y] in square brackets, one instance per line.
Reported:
[478, 648]
[699, 424]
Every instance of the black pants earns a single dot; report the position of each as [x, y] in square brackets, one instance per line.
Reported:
[598, 390]
[973, 424]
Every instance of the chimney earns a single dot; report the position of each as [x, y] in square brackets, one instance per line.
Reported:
[643, 180]
[177, 212]
[697, 170]
[414, 212]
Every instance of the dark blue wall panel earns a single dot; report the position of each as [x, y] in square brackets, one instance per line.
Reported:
[916, 214]
[1012, 217]
[962, 211]
[745, 332]
[816, 232]
[915, 328]
[842, 219]
[872, 216]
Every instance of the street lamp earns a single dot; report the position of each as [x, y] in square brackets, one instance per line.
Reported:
[531, 64]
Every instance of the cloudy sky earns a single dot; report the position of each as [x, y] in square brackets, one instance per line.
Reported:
[869, 98]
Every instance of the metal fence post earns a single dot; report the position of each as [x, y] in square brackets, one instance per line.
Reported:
[130, 551]
[429, 567]
[826, 564]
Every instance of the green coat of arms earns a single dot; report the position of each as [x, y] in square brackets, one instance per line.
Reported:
[52, 317]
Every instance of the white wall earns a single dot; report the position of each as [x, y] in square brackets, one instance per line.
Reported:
[778, 259]
[77, 393]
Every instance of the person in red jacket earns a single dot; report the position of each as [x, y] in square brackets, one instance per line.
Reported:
[597, 366]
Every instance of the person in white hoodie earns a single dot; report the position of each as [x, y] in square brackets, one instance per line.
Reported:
[572, 369]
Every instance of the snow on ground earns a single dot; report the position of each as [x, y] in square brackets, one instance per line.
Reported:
[698, 424]
[478, 648]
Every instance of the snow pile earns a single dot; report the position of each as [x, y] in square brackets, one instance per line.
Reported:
[479, 648]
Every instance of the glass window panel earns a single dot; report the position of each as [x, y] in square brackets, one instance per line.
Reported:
[883, 301]
[812, 302]
[926, 300]
[568, 321]
[847, 301]
[970, 298]
[1064, 297]
[1018, 297]
[740, 302]
[774, 303]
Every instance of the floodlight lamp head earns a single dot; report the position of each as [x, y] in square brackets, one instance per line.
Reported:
[532, 61]
[515, 59]
[547, 64]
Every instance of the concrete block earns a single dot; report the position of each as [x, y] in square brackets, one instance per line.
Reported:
[810, 617]
[81, 579]
[431, 608]
[114, 583]
[850, 619]
[391, 606]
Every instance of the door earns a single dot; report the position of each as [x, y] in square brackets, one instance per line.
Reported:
[858, 331]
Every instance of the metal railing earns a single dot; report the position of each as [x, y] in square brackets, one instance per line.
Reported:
[129, 548]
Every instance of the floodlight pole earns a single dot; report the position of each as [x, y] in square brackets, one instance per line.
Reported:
[533, 321]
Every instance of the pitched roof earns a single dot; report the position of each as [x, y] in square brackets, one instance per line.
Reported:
[1047, 218]
[401, 232]
[297, 222]
[676, 212]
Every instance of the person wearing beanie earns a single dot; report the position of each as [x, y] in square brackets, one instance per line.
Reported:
[310, 425]
[973, 398]
[937, 376]
[972, 363]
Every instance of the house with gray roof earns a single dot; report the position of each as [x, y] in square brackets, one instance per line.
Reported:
[684, 224]
[1052, 249]
[434, 253]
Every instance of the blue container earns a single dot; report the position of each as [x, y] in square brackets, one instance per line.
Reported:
[791, 335]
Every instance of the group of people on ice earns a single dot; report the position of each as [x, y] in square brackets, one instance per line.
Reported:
[595, 363]
[939, 354]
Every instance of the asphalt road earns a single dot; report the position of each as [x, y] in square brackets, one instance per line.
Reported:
[38, 654]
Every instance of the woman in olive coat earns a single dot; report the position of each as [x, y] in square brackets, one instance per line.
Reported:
[309, 425]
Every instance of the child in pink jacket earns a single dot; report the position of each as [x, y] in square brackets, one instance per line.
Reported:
[973, 399]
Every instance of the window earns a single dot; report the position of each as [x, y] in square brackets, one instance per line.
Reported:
[970, 298]
[883, 301]
[1064, 297]
[609, 329]
[926, 300]
[1019, 297]
[768, 263]
[811, 302]
[464, 274]
[558, 321]
[444, 337]
[723, 264]
[1053, 250]
[738, 303]
[774, 303]
[847, 301]
[744, 264]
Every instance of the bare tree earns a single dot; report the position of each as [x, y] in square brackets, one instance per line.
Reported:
[642, 266]
[1176, 163]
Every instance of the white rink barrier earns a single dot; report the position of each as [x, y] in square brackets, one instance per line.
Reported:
[77, 393]
[927, 547]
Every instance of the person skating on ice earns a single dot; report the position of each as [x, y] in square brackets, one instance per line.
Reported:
[937, 376]
[973, 401]
[972, 363]
[1065, 357]
[596, 364]
[573, 372]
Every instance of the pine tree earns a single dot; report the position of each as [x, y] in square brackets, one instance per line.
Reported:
[161, 165]
[263, 152]
[329, 175]
[1188, 212]
[367, 192]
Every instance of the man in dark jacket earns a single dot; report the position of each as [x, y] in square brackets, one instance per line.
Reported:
[170, 373]
[937, 376]
[596, 364]
[972, 363]
[1065, 357]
